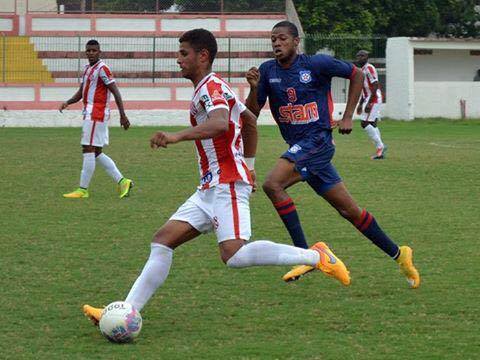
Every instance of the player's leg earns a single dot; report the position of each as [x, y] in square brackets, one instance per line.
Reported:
[187, 223]
[232, 218]
[124, 184]
[339, 197]
[282, 176]
[88, 168]
[156, 269]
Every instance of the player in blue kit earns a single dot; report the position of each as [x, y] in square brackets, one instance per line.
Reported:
[298, 89]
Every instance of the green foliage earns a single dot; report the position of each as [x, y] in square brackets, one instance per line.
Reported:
[232, 5]
[390, 17]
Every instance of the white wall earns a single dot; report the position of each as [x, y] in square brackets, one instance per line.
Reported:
[431, 85]
[7, 6]
[400, 101]
[446, 65]
[442, 99]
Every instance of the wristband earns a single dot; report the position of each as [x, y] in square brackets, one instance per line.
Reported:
[250, 163]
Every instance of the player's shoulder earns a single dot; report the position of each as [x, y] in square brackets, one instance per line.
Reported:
[267, 65]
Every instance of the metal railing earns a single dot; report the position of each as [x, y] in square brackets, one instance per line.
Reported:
[162, 6]
[153, 59]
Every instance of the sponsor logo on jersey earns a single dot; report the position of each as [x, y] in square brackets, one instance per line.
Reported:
[294, 149]
[206, 178]
[274, 80]
[298, 114]
[305, 76]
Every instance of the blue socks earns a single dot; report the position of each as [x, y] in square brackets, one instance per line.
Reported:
[369, 227]
[288, 213]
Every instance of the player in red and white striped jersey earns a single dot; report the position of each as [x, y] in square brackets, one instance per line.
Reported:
[370, 104]
[95, 89]
[221, 204]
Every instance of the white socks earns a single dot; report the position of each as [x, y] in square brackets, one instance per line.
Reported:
[264, 252]
[109, 167]
[153, 275]
[261, 252]
[88, 169]
[374, 134]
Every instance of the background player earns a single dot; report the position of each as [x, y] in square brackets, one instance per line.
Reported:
[221, 203]
[298, 89]
[370, 104]
[95, 88]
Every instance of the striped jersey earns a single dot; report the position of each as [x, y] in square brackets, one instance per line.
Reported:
[220, 159]
[96, 96]
[371, 77]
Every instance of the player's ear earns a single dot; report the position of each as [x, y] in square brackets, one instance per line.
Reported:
[296, 41]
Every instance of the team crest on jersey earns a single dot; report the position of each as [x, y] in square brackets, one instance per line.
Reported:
[305, 76]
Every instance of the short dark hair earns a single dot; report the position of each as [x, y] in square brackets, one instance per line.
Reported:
[292, 28]
[200, 39]
[93, 42]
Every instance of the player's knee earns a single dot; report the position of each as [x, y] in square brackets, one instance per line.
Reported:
[162, 237]
[271, 187]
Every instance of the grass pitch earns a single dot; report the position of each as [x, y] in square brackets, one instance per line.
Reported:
[57, 254]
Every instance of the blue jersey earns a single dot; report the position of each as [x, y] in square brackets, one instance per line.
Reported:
[300, 98]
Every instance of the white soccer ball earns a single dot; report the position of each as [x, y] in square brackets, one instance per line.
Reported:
[120, 322]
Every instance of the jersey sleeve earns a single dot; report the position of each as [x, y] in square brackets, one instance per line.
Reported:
[371, 74]
[262, 86]
[211, 97]
[241, 106]
[106, 75]
[329, 66]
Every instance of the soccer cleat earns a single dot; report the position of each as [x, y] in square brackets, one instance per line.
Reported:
[297, 272]
[124, 187]
[381, 153]
[93, 313]
[405, 261]
[77, 194]
[330, 264]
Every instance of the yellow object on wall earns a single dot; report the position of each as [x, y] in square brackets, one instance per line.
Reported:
[19, 62]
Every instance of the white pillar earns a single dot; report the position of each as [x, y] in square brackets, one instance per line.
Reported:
[400, 79]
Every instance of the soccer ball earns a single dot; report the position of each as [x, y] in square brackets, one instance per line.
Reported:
[120, 322]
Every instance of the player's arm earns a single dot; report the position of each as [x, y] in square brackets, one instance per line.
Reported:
[253, 79]
[250, 140]
[124, 122]
[368, 105]
[354, 90]
[75, 98]
[216, 124]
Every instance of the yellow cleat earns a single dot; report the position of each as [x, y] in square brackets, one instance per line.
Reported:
[124, 187]
[330, 264]
[93, 313]
[297, 272]
[77, 194]
[405, 261]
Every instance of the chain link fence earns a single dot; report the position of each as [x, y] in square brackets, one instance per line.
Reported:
[158, 6]
[153, 59]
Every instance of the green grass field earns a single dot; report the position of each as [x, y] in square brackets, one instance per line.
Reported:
[57, 254]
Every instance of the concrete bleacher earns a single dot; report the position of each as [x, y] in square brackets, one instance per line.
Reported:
[146, 59]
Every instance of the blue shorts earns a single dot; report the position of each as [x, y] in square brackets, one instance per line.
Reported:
[313, 160]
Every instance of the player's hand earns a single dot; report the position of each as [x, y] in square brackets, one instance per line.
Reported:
[359, 109]
[253, 174]
[63, 106]
[345, 125]
[162, 139]
[368, 108]
[124, 122]
[253, 76]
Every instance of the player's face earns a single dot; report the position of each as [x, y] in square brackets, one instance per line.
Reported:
[187, 59]
[361, 59]
[93, 53]
[284, 44]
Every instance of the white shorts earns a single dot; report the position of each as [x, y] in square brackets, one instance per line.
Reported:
[94, 133]
[374, 113]
[224, 209]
